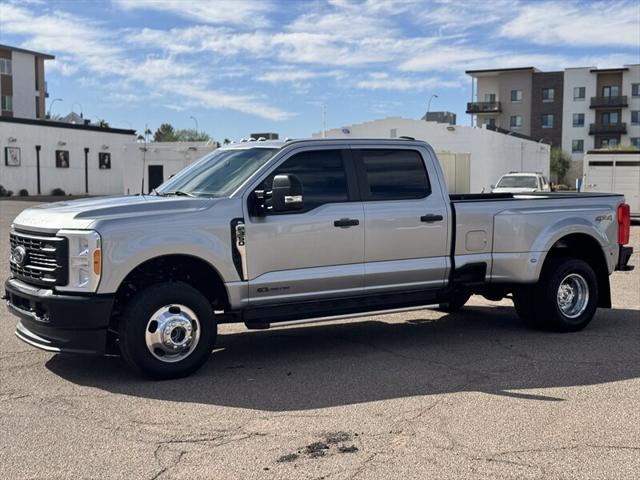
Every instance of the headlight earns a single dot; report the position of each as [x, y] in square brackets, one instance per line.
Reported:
[85, 260]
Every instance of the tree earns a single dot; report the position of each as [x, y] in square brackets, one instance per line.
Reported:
[226, 141]
[166, 133]
[191, 135]
[560, 163]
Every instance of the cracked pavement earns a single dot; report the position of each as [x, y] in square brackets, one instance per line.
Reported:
[415, 395]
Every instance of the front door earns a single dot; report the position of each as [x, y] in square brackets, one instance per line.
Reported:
[156, 176]
[406, 232]
[316, 252]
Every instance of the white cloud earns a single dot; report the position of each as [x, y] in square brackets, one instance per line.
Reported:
[84, 45]
[249, 13]
[385, 81]
[603, 23]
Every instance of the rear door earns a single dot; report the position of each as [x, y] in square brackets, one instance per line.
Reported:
[314, 253]
[406, 236]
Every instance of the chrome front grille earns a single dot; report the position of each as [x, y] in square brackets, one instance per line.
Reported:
[41, 261]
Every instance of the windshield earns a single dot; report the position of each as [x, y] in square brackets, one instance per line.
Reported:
[518, 181]
[217, 175]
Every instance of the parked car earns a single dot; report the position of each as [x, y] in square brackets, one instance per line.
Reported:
[273, 233]
[522, 182]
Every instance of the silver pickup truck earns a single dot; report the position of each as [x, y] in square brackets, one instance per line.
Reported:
[275, 233]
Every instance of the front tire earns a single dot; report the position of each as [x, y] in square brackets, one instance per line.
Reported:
[167, 331]
[565, 298]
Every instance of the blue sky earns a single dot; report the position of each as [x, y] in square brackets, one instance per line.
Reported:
[242, 66]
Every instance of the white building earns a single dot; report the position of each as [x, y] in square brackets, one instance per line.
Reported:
[492, 153]
[22, 83]
[158, 161]
[40, 156]
[601, 108]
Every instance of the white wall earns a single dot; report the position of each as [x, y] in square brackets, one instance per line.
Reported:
[72, 179]
[173, 156]
[24, 85]
[492, 153]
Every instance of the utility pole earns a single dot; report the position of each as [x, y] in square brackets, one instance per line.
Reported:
[429, 106]
[324, 121]
[195, 121]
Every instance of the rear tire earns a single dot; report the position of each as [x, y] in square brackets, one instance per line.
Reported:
[565, 298]
[167, 331]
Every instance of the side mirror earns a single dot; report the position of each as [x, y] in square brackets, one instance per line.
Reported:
[286, 193]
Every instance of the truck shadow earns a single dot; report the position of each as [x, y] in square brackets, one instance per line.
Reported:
[484, 349]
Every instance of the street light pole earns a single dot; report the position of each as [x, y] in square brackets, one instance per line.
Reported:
[51, 105]
[196, 122]
[429, 106]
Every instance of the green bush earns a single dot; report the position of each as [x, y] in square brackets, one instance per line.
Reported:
[23, 192]
[58, 192]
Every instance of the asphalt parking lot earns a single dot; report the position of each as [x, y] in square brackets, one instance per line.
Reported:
[416, 395]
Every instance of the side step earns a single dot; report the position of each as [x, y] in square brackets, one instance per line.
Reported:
[329, 318]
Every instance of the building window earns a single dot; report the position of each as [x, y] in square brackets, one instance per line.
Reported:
[548, 94]
[547, 120]
[578, 119]
[608, 142]
[635, 141]
[609, 118]
[579, 93]
[6, 103]
[491, 122]
[611, 91]
[577, 146]
[516, 96]
[37, 107]
[515, 121]
[393, 133]
[635, 117]
[635, 89]
[5, 66]
[490, 97]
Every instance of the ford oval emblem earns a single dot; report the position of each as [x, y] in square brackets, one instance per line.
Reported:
[19, 255]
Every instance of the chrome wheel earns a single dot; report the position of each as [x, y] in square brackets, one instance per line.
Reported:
[573, 295]
[172, 333]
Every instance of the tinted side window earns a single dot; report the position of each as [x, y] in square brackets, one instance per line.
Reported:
[394, 174]
[322, 174]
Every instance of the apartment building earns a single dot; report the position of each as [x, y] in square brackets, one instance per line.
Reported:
[22, 84]
[578, 109]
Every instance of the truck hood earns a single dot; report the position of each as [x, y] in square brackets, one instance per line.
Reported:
[82, 214]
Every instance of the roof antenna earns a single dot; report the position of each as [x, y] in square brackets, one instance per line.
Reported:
[144, 157]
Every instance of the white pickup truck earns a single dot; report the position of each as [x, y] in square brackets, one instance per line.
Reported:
[274, 233]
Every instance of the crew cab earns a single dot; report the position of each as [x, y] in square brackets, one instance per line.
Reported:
[277, 233]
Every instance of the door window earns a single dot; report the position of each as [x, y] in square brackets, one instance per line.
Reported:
[323, 177]
[393, 174]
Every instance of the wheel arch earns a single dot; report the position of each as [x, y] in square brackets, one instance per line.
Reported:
[189, 269]
[589, 249]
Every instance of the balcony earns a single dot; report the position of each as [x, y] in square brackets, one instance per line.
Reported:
[619, 101]
[484, 107]
[615, 128]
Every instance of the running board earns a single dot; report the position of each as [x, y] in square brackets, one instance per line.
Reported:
[331, 318]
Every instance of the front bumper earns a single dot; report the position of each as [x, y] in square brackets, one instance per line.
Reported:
[59, 323]
[623, 259]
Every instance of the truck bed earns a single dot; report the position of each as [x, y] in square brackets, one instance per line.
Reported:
[511, 233]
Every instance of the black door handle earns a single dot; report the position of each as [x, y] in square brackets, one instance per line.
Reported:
[431, 218]
[346, 222]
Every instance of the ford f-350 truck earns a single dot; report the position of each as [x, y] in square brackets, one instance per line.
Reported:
[275, 233]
